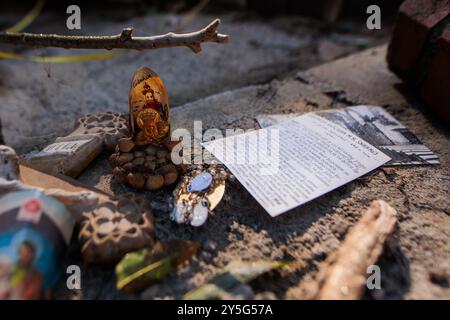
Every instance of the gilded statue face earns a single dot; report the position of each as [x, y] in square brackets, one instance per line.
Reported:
[149, 108]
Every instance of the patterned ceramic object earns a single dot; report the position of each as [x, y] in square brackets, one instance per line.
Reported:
[112, 229]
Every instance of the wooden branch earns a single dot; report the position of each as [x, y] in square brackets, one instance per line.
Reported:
[124, 40]
[344, 275]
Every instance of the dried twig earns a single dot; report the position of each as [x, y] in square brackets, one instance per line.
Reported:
[344, 273]
[124, 40]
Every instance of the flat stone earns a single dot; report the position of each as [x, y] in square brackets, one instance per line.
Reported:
[349, 76]
[67, 155]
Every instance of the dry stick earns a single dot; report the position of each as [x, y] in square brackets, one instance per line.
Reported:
[344, 275]
[124, 40]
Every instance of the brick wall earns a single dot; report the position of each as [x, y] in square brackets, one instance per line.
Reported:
[419, 51]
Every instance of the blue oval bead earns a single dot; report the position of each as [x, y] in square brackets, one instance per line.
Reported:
[201, 182]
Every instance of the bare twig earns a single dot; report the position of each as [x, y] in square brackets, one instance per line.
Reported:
[124, 40]
[344, 274]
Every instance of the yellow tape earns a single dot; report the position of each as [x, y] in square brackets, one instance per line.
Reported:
[191, 15]
[10, 55]
[77, 58]
[61, 59]
[29, 17]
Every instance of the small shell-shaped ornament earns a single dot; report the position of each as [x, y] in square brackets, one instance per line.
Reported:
[149, 108]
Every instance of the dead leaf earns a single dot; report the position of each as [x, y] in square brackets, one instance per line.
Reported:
[234, 275]
[139, 269]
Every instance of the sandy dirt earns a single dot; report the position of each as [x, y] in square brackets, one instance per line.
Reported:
[415, 267]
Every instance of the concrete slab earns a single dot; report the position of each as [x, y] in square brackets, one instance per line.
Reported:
[40, 101]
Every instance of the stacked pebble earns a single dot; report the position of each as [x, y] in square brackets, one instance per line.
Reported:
[143, 167]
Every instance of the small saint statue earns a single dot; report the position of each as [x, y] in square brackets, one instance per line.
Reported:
[149, 108]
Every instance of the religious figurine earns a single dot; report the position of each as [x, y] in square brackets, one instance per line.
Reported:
[149, 108]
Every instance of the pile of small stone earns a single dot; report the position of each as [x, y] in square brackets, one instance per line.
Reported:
[143, 167]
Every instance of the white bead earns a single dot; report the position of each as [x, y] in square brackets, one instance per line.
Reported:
[199, 215]
[178, 214]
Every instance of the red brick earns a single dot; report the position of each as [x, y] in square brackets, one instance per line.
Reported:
[435, 90]
[415, 22]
